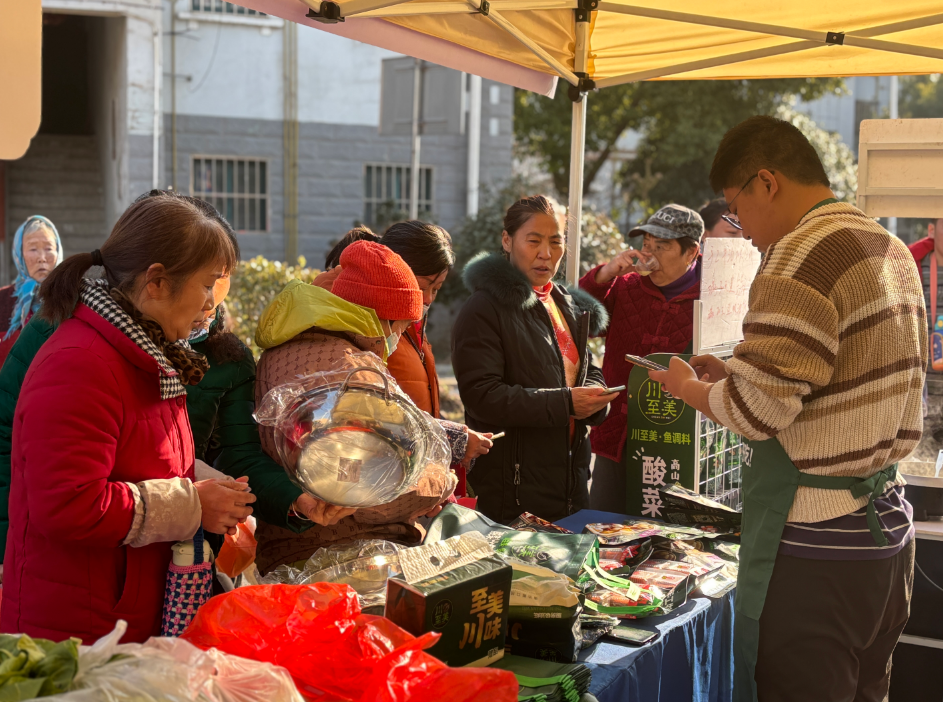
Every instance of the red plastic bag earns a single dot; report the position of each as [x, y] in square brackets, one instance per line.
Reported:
[238, 552]
[318, 633]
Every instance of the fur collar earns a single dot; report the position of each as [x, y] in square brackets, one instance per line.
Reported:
[494, 274]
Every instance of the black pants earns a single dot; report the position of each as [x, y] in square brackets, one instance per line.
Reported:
[607, 486]
[829, 628]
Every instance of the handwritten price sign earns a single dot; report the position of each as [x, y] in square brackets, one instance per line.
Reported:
[727, 272]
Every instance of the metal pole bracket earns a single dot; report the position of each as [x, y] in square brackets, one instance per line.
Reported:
[584, 8]
[329, 13]
[834, 38]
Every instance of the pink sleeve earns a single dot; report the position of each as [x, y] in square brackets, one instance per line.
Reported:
[70, 415]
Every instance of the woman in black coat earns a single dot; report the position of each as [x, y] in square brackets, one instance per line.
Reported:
[519, 351]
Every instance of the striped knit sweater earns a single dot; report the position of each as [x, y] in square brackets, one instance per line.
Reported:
[833, 357]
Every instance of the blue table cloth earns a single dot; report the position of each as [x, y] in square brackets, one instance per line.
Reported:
[691, 660]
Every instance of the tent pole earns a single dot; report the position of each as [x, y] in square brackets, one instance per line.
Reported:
[574, 223]
[578, 94]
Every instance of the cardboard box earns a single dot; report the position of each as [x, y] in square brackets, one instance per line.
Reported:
[468, 606]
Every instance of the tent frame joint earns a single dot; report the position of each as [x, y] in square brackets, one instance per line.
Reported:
[835, 38]
[329, 13]
[484, 8]
[585, 85]
[584, 8]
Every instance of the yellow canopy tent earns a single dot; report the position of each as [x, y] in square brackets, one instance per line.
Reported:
[593, 44]
[21, 41]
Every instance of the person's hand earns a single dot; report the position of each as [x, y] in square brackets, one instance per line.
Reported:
[709, 368]
[326, 279]
[225, 503]
[321, 512]
[622, 264]
[478, 445]
[434, 511]
[588, 401]
[674, 379]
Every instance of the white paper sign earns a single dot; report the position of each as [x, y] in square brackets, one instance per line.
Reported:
[727, 271]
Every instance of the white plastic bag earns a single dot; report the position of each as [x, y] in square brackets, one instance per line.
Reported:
[172, 670]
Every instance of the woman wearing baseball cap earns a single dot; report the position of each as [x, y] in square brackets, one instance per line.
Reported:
[650, 297]
[306, 329]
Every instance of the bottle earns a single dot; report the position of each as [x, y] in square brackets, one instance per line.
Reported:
[184, 553]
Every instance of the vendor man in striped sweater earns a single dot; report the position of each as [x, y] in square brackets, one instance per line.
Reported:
[826, 388]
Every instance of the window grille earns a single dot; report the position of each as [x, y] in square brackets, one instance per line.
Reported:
[237, 187]
[386, 192]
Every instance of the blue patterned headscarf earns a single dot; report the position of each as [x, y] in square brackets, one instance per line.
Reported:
[25, 289]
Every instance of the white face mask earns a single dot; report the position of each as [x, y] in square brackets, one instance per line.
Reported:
[425, 310]
[391, 342]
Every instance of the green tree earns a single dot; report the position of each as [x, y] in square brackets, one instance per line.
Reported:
[681, 123]
[921, 96]
[837, 158]
[255, 283]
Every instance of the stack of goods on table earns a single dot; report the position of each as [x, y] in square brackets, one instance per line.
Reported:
[522, 599]
[647, 568]
[542, 681]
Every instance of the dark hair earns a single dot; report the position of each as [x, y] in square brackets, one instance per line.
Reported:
[180, 232]
[203, 206]
[765, 142]
[687, 244]
[711, 213]
[525, 208]
[426, 248]
[222, 345]
[361, 233]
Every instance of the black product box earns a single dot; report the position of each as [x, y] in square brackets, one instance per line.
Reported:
[468, 606]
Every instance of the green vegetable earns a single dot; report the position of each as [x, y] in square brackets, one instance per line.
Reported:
[31, 668]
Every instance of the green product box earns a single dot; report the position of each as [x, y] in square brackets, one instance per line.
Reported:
[468, 606]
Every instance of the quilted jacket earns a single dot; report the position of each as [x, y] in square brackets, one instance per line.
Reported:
[641, 322]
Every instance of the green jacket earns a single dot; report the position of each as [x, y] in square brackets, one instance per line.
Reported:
[224, 432]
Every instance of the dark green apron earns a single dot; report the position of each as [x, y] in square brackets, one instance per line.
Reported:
[770, 480]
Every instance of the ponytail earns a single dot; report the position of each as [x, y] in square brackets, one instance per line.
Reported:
[60, 290]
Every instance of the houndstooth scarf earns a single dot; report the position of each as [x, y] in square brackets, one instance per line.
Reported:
[95, 294]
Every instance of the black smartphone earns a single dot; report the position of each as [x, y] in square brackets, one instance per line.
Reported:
[633, 636]
[644, 362]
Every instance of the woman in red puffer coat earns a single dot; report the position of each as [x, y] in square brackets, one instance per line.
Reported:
[102, 459]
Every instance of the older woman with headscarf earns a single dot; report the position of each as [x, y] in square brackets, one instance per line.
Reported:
[37, 249]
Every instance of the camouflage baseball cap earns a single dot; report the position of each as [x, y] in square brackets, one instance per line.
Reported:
[672, 222]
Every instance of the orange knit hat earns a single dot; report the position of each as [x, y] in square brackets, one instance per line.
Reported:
[375, 277]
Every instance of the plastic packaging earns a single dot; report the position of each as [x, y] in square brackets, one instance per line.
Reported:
[172, 670]
[237, 552]
[544, 614]
[561, 553]
[350, 436]
[319, 635]
[364, 565]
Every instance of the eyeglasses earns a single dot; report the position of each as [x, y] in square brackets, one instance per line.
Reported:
[732, 219]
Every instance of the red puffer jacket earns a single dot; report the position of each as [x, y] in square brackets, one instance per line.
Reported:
[89, 421]
[641, 322]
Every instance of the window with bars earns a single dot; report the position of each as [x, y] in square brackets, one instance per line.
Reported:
[386, 193]
[223, 7]
[237, 187]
